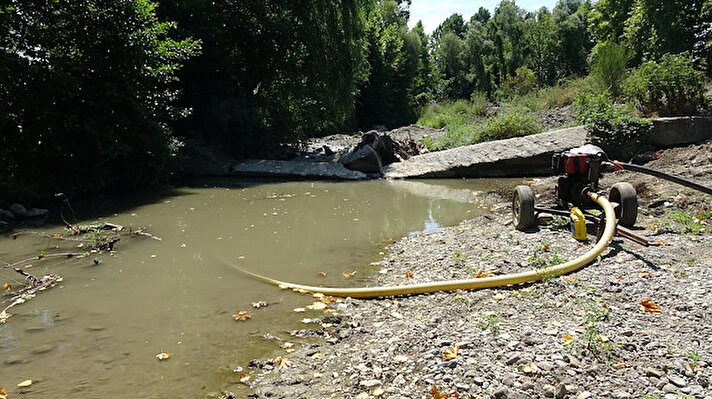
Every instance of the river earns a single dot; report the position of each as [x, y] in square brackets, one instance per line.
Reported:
[98, 332]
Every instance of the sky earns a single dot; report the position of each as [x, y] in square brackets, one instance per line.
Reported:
[434, 12]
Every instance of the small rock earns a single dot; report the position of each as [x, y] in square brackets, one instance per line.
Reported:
[549, 391]
[560, 391]
[41, 349]
[620, 395]
[501, 393]
[478, 381]
[6, 215]
[669, 388]
[18, 210]
[546, 366]
[527, 385]
[584, 395]
[36, 213]
[370, 383]
[651, 372]
[513, 359]
[14, 359]
[677, 380]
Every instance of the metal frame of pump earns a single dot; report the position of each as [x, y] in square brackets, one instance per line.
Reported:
[580, 170]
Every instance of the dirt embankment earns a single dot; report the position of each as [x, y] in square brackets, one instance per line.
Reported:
[635, 324]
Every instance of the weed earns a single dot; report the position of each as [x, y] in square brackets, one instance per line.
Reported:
[544, 257]
[429, 143]
[459, 258]
[598, 344]
[468, 302]
[695, 358]
[688, 223]
[529, 293]
[491, 323]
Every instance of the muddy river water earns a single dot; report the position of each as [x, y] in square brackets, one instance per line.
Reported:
[98, 332]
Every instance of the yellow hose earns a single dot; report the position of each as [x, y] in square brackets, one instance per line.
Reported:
[467, 284]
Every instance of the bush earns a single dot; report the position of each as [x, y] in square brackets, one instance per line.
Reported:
[608, 61]
[520, 84]
[613, 128]
[510, 124]
[453, 113]
[669, 87]
[514, 123]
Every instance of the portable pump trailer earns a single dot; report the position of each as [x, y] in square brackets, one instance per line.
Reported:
[581, 170]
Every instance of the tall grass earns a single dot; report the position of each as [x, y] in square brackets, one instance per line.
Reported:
[513, 123]
[453, 113]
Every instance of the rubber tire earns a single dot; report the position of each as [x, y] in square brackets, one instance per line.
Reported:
[627, 210]
[523, 208]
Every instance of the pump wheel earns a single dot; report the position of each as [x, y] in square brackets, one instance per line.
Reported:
[523, 208]
[625, 196]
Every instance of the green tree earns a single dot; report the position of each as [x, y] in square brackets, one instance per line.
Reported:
[393, 55]
[88, 89]
[541, 35]
[571, 19]
[271, 71]
[608, 17]
[608, 67]
[658, 27]
[507, 31]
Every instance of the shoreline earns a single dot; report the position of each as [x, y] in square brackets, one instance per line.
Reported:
[584, 335]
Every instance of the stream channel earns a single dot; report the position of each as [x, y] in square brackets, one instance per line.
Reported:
[97, 333]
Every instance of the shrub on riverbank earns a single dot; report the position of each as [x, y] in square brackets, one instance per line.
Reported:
[454, 113]
[513, 123]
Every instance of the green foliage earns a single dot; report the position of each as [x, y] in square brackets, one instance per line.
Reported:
[513, 123]
[658, 27]
[520, 84]
[271, 71]
[397, 71]
[614, 129]
[608, 67]
[689, 223]
[453, 113]
[670, 87]
[88, 91]
[510, 124]
[491, 322]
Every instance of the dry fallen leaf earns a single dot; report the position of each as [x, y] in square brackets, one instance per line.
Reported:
[317, 356]
[647, 305]
[244, 378]
[241, 315]
[451, 353]
[7, 287]
[408, 274]
[644, 275]
[259, 304]
[163, 356]
[282, 362]
[481, 274]
[288, 346]
[327, 299]
[348, 275]
[620, 277]
[619, 366]
[321, 274]
[568, 339]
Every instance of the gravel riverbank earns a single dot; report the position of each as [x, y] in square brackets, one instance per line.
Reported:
[634, 324]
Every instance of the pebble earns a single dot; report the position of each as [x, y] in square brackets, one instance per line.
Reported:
[14, 359]
[651, 372]
[677, 380]
[669, 388]
[501, 393]
[41, 349]
[370, 383]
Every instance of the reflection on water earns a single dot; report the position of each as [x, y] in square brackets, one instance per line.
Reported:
[97, 334]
